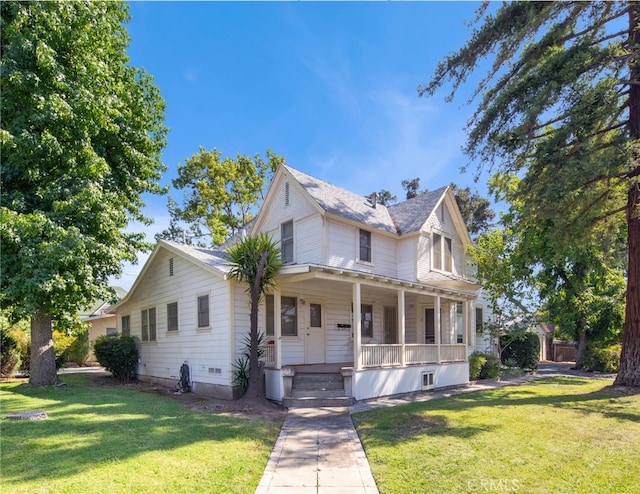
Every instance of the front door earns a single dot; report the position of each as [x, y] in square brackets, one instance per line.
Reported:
[315, 339]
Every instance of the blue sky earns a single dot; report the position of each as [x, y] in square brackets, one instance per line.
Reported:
[331, 86]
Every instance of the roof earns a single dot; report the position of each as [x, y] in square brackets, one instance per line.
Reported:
[400, 219]
[98, 307]
[217, 259]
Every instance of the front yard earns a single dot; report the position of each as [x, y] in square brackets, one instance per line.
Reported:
[564, 435]
[111, 439]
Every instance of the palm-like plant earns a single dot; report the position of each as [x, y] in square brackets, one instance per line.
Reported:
[256, 261]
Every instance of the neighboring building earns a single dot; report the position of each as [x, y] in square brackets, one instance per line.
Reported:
[99, 320]
[386, 295]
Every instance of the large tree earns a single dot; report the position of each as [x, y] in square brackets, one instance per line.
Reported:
[81, 137]
[255, 261]
[220, 195]
[560, 106]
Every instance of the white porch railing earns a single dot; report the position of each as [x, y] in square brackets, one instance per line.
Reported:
[268, 355]
[391, 355]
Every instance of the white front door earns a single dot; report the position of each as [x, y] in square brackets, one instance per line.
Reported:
[315, 337]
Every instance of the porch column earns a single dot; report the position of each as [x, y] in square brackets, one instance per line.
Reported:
[401, 324]
[277, 326]
[437, 324]
[357, 327]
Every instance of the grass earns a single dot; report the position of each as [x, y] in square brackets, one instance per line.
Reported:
[564, 435]
[112, 440]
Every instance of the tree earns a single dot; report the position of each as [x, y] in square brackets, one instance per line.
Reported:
[411, 187]
[219, 195]
[475, 209]
[81, 137]
[386, 198]
[560, 106]
[256, 261]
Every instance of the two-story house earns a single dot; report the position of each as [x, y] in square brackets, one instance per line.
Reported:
[383, 295]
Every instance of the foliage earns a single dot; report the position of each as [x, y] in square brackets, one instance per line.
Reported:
[525, 350]
[600, 358]
[483, 366]
[119, 439]
[10, 353]
[79, 349]
[81, 135]
[386, 198]
[558, 122]
[475, 210]
[255, 260]
[510, 363]
[117, 354]
[411, 187]
[461, 442]
[61, 344]
[219, 195]
[241, 372]
[491, 367]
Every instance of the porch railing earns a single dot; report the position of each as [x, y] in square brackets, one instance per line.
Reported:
[391, 355]
[268, 355]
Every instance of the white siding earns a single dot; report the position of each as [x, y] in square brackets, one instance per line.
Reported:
[309, 239]
[407, 258]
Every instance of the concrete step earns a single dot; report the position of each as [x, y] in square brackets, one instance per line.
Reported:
[317, 385]
[317, 377]
[342, 401]
[317, 393]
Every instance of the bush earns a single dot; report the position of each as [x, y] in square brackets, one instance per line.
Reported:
[525, 350]
[601, 359]
[78, 350]
[10, 354]
[491, 367]
[476, 361]
[117, 354]
[61, 343]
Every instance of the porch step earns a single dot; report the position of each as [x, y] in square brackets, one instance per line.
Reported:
[317, 389]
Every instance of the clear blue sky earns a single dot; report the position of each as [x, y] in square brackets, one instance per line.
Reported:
[330, 86]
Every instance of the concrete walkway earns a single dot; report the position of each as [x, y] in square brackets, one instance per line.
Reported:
[318, 450]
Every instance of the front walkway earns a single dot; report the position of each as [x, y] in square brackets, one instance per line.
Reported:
[318, 450]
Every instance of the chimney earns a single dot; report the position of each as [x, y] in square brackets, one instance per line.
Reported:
[373, 199]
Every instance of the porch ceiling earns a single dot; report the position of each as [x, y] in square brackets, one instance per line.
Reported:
[448, 287]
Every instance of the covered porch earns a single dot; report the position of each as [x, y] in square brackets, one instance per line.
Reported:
[385, 334]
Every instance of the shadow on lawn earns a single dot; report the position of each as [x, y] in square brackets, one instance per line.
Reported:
[89, 426]
[409, 422]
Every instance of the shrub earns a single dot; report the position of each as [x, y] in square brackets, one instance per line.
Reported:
[117, 354]
[601, 359]
[524, 350]
[78, 350]
[61, 343]
[10, 353]
[491, 367]
[476, 361]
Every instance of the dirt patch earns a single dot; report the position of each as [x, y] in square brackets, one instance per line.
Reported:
[244, 408]
[420, 424]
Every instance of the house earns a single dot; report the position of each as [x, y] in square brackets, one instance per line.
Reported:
[385, 295]
[99, 320]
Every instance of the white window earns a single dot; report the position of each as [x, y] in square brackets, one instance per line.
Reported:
[172, 316]
[366, 328]
[442, 253]
[126, 325]
[288, 316]
[286, 241]
[365, 246]
[148, 320]
[203, 311]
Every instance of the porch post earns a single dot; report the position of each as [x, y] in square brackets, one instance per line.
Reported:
[277, 326]
[357, 327]
[401, 324]
[437, 324]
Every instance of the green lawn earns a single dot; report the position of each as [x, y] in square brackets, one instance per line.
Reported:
[566, 435]
[112, 440]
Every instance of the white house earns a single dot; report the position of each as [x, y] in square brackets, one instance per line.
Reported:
[384, 297]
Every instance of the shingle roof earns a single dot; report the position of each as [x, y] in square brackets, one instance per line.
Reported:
[213, 258]
[405, 217]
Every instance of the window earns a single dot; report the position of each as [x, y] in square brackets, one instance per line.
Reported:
[172, 316]
[203, 311]
[286, 241]
[148, 318]
[111, 331]
[430, 326]
[366, 330]
[365, 246]
[390, 325]
[442, 253]
[428, 381]
[126, 325]
[289, 314]
[479, 320]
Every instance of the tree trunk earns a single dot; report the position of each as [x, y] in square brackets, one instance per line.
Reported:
[42, 368]
[629, 371]
[581, 348]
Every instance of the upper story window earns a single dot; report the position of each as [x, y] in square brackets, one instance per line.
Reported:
[286, 241]
[148, 320]
[365, 246]
[442, 253]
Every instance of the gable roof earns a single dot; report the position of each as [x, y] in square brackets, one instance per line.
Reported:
[402, 218]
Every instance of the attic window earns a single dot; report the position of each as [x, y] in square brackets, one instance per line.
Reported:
[171, 266]
[286, 194]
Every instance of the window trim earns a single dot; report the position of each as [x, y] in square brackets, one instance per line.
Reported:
[151, 328]
[270, 303]
[198, 313]
[177, 318]
[125, 328]
[286, 241]
[362, 321]
[442, 253]
[369, 247]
